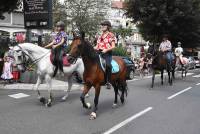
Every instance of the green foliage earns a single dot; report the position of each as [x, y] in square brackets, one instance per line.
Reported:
[120, 51]
[180, 19]
[123, 31]
[84, 14]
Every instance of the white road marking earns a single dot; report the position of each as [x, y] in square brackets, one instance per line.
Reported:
[196, 76]
[198, 84]
[19, 95]
[176, 94]
[116, 127]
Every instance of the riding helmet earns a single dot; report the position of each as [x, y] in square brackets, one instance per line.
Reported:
[107, 23]
[60, 24]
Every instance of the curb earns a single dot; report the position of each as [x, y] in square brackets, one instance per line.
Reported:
[41, 87]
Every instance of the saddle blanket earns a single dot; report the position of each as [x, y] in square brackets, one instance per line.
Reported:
[65, 60]
[115, 65]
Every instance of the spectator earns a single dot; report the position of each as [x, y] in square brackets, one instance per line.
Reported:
[7, 70]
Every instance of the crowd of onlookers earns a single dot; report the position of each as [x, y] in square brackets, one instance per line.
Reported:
[143, 65]
[9, 72]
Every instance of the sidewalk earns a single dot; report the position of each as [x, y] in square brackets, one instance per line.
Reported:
[56, 85]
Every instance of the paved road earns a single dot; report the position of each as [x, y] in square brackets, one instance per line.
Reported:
[162, 110]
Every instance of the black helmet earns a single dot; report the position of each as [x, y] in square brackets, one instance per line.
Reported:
[60, 24]
[107, 23]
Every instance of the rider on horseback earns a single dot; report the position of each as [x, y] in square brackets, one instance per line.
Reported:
[105, 44]
[166, 48]
[57, 45]
[178, 53]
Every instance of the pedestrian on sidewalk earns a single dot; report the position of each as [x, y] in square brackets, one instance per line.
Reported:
[7, 70]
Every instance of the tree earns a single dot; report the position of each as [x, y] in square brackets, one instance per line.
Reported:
[8, 6]
[86, 14]
[180, 19]
[123, 32]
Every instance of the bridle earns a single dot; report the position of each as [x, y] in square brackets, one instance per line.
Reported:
[24, 59]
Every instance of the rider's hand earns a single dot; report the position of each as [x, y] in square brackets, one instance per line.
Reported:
[54, 46]
[104, 51]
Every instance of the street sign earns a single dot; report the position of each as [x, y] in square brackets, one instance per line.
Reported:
[38, 14]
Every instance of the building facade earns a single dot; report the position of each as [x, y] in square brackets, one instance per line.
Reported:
[134, 43]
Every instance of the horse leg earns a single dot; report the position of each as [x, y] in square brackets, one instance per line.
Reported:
[123, 89]
[48, 81]
[93, 115]
[82, 97]
[170, 78]
[116, 95]
[69, 80]
[182, 72]
[173, 72]
[162, 71]
[153, 78]
[41, 99]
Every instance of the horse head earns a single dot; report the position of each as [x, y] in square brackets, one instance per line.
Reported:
[20, 57]
[80, 47]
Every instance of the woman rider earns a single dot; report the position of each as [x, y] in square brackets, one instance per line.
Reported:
[105, 44]
[57, 45]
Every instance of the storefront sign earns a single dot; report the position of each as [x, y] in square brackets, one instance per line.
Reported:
[38, 14]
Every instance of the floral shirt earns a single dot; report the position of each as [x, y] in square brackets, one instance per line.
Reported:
[165, 46]
[104, 41]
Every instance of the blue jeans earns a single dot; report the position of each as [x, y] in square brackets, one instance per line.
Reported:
[108, 59]
[170, 57]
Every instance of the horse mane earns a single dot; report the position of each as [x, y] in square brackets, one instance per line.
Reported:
[88, 50]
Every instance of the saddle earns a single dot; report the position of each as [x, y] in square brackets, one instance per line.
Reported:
[184, 60]
[65, 60]
[114, 64]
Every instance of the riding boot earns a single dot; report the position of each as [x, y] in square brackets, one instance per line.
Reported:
[108, 77]
[60, 62]
[61, 67]
[56, 70]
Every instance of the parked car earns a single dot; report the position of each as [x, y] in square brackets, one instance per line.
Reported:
[197, 61]
[129, 64]
[130, 67]
[192, 64]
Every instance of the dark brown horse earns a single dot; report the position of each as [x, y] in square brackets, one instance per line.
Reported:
[94, 76]
[160, 63]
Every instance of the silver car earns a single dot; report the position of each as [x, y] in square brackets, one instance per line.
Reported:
[197, 62]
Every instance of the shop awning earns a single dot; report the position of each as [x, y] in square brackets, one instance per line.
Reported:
[12, 30]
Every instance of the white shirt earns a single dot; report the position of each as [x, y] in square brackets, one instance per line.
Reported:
[165, 46]
[178, 51]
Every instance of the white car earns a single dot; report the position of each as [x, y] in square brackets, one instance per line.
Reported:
[197, 61]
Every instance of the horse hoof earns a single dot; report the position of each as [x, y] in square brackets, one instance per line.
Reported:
[48, 104]
[42, 100]
[93, 116]
[114, 105]
[64, 98]
[88, 105]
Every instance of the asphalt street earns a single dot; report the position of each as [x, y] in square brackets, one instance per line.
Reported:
[162, 110]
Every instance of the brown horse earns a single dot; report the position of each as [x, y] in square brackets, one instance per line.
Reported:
[160, 63]
[94, 76]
